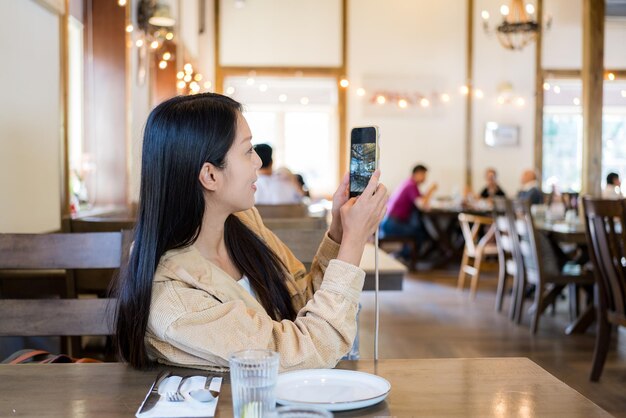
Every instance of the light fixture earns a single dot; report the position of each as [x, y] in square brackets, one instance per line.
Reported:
[161, 16]
[519, 26]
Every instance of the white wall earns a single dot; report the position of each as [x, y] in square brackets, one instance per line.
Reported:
[421, 39]
[30, 119]
[281, 33]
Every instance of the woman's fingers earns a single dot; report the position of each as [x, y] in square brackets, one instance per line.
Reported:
[372, 184]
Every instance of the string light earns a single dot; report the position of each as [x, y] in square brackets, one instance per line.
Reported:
[623, 94]
[304, 101]
[139, 43]
[122, 3]
[546, 86]
[282, 98]
[611, 76]
[181, 84]
[576, 101]
[188, 68]
[230, 90]
[207, 85]
[187, 78]
[167, 56]
[163, 65]
[479, 94]
[360, 92]
[520, 101]
[464, 90]
[180, 75]
[263, 88]
[424, 102]
[402, 103]
[380, 99]
[154, 44]
[556, 89]
[197, 77]
[129, 28]
[169, 36]
[344, 83]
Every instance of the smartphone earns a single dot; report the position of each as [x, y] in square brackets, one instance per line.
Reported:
[363, 157]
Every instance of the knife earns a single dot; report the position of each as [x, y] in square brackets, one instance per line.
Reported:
[153, 395]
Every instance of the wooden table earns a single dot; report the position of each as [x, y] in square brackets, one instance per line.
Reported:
[573, 233]
[490, 387]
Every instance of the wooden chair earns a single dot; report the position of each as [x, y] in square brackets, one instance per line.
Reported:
[296, 223]
[539, 269]
[96, 281]
[476, 248]
[63, 317]
[302, 242]
[510, 264]
[283, 211]
[605, 224]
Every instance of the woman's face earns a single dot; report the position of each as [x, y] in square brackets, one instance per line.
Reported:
[240, 173]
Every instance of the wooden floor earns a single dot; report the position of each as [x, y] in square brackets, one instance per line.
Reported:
[431, 319]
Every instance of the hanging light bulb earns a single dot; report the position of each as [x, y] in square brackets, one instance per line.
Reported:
[360, 92]
[129, 28]
[424, 102]
[445, 97]
[167, 56]
[479, 94]
[380, 99]
[163, 64]
[464, 90]
[344, 83]
[154, 44]
[139, 43]
[403, 104]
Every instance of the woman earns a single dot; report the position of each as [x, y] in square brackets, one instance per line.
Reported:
[206, 278]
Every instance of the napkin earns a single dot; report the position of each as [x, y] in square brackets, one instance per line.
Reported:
[187, 408]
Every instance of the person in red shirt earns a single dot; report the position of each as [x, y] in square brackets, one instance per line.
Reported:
[403, 215]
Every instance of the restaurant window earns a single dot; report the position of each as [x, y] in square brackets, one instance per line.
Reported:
[563, 133]
[298, 117]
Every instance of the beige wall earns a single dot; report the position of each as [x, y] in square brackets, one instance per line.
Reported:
[281, 33]
[30, 118]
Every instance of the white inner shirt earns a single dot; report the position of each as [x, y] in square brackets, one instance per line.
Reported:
[245, 283]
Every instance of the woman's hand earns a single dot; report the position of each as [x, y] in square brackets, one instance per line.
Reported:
[360, 218]
[339, 199]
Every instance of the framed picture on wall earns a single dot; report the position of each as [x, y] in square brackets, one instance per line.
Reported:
[501, 135]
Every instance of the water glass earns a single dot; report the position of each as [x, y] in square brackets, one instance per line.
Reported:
[302, 412]
[253, 375]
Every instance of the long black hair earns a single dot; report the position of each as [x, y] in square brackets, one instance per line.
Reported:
[182, 134]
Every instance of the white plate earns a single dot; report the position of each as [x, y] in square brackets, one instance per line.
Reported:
[331, 389]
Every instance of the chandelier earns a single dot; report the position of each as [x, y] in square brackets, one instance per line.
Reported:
[519, 26]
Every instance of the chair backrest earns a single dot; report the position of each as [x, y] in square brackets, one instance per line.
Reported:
[65, 317]
[302, 242]
[57, 317]
[605, 225]
[296, 223]
[530, 253]
[470, 227]
[283, 211]
[101, 224]
[507, 237]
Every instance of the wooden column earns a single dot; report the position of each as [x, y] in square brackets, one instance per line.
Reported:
[539, 79]
[469, 70]
[592, 75]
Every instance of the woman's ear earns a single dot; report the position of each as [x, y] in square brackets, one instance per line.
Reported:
[209, 176]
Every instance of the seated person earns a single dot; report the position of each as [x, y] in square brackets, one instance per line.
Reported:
[206, 278]
[530, 188]
[403, 217]
[613, 187]
[273, 189]
[492, 188]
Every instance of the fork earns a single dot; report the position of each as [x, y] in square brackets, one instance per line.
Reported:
[177, 396]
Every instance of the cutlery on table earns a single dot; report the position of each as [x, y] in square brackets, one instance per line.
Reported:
[153, 395]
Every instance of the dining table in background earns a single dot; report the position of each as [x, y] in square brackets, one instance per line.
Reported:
[481, 387]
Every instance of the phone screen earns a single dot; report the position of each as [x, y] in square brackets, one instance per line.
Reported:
[363, 154]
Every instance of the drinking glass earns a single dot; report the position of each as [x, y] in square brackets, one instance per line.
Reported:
[253, 375]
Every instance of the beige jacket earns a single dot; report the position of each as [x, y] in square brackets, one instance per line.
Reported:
[199, 314]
